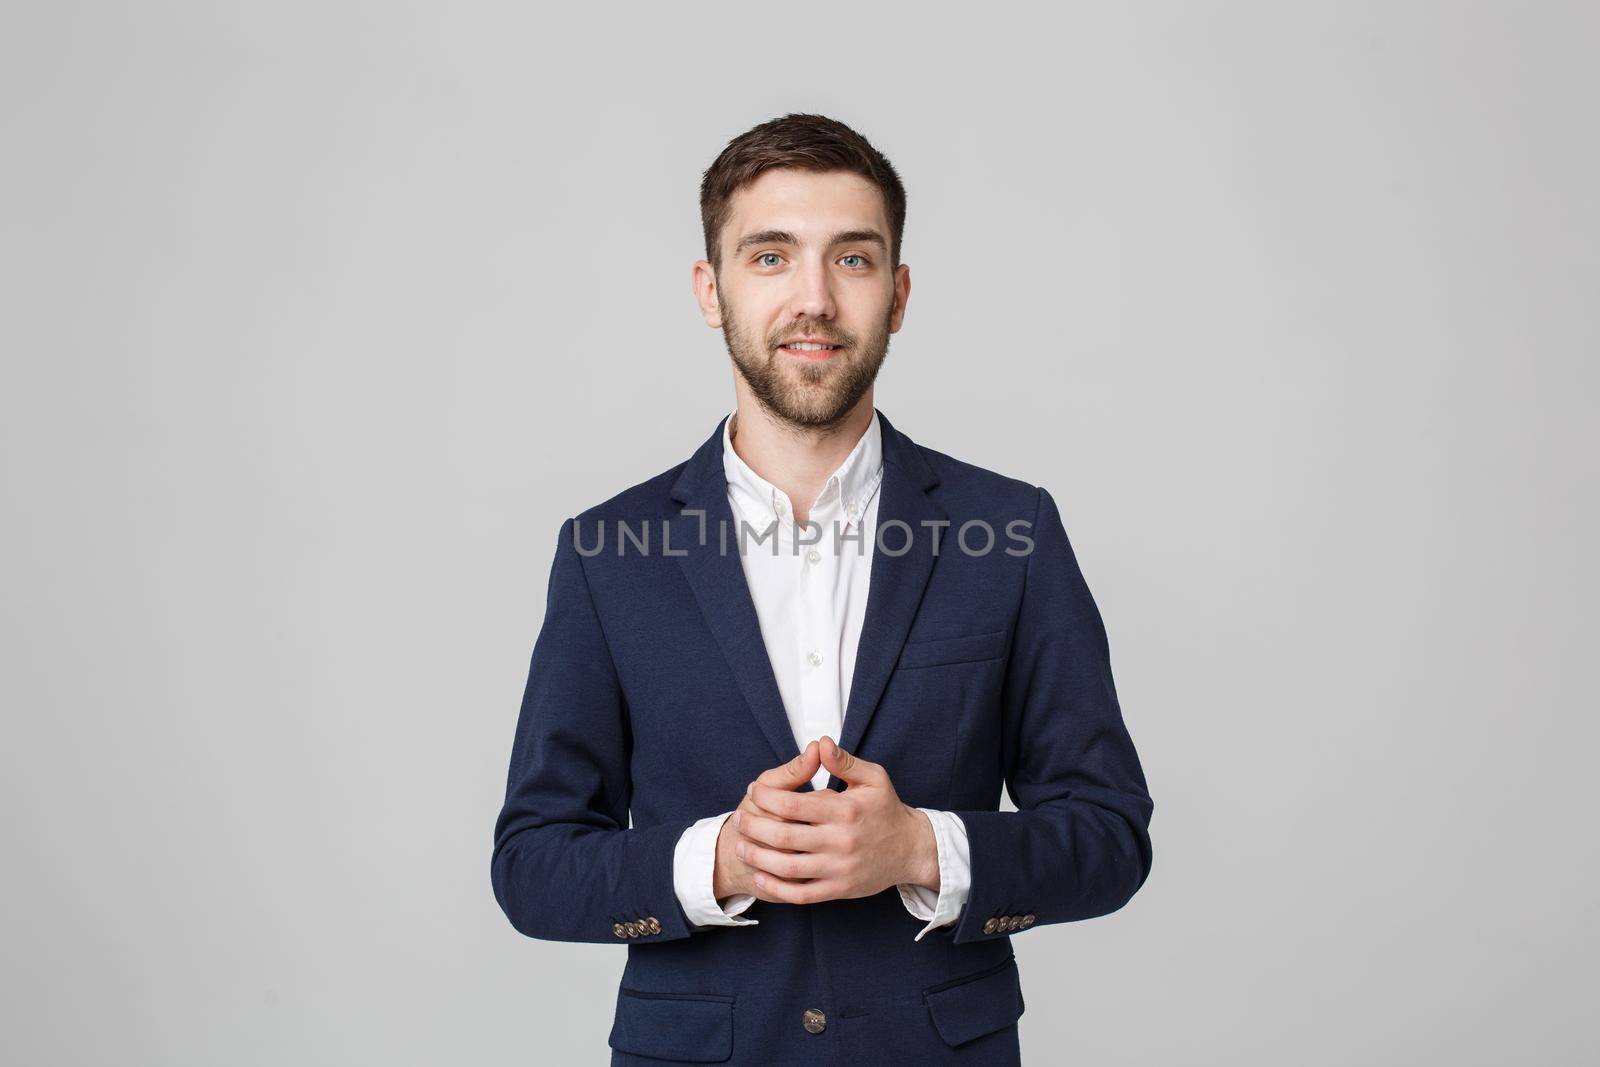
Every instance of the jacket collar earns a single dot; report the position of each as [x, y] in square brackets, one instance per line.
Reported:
[706, 465]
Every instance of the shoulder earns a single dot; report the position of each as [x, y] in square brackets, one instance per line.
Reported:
[968, 488]
[648, 500]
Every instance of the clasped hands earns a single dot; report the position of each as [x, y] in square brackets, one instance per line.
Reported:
[804, 848]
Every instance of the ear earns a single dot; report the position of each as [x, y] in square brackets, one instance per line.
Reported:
[705, 292]
[902, 293]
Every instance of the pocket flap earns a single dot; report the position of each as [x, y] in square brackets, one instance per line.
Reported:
[693, 1027]
[964, 649]
[972, 1007]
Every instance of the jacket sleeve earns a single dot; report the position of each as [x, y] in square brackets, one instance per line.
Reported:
[566, 865]
[1079, 844]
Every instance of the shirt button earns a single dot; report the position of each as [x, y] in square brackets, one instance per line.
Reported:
[813, 556]
[814, 1021]
[814, 658]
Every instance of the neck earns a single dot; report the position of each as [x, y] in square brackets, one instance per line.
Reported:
[796, 459]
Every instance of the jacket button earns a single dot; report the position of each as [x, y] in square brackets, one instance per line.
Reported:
[814, 1021]
[619, 929]
[633, 929]
[653, 924]
[1028, 920]
[991, 926]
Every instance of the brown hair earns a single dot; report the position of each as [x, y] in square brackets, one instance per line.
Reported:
[806, 142]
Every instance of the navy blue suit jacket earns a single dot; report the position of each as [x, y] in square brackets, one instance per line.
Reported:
[650, 694]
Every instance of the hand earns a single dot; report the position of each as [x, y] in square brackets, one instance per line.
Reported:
[730, 875]
[804, 848]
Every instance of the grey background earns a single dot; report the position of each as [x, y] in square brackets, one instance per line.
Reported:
[320, 318]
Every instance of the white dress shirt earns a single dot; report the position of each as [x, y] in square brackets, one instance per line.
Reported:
[810, 596]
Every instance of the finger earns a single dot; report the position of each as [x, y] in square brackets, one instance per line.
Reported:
[821, 805]
[790, 866]
[791, 775]
[749, 809]
[781, 891]
[782, 834]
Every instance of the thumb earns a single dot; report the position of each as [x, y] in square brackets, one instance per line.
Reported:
[846, 766]
[796, 772]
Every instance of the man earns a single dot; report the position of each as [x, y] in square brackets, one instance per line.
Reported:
[804, 661]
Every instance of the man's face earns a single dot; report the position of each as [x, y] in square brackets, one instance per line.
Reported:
[805, 259]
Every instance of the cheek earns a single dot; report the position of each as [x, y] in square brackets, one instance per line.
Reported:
[753, 321]
[867, 310]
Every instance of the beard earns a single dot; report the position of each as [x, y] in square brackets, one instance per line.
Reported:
[814, 396]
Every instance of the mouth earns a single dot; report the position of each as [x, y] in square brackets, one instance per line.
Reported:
[812, 350]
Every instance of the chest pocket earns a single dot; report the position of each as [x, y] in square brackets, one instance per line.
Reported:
[968, 648]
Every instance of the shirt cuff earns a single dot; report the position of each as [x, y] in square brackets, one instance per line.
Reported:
[955, 874]
[694, 864]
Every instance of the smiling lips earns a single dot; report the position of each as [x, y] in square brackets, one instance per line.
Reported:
[809, 349]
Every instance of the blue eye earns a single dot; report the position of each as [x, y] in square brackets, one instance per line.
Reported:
[852, 255]
[763, 256]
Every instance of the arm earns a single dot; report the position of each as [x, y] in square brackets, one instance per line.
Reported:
[566, 865]
[954, 863]
[1079, 844]
[694, 872]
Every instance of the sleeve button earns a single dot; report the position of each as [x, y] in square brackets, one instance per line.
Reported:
[991, 926]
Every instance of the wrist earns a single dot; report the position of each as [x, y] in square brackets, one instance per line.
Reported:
[722, 883]
[923, 866]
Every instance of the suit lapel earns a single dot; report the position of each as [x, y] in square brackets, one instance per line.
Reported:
[715, 574]
[895, 588]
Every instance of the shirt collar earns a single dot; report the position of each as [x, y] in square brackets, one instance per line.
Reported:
[854, 481]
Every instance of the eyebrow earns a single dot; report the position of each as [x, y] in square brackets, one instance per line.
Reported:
[784, 237]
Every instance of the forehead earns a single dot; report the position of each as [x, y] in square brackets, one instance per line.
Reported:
[809, 204]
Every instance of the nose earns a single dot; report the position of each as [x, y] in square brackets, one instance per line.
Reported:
[812, 297]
